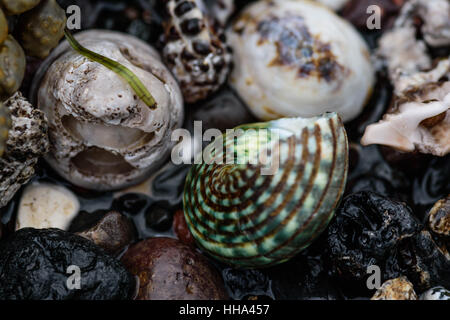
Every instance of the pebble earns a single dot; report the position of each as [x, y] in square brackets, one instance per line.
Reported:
[45, 205]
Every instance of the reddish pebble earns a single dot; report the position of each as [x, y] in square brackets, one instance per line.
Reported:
[170, 270]
[181, 229]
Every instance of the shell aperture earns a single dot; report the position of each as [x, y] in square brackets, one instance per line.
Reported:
[247, 219]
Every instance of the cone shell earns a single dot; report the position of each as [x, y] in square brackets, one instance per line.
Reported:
[244, 218]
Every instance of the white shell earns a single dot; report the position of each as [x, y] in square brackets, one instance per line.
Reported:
[403, 129]
[103, 136]
[334, 4]
[329, 68]
[436, 293]
[46, 205]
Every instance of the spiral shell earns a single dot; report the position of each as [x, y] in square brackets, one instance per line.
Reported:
[247, 219]
[5, 124]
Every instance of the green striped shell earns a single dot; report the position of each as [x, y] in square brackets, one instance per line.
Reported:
[5, 124]
[248, 219]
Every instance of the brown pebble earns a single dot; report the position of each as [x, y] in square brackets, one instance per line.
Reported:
[170, 270]
[113, 232]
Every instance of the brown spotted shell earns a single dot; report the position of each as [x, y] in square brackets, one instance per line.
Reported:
[195, 49]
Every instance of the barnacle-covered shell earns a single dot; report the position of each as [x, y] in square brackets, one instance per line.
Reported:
[436, 293]
[195, 50]
[248, 217]
[12, 67]
[3, 27]
[27, 141]
[396, 289]
[18, 6]
[297, 58]
[418, 121]
[435, 20]
[5, 125]
[42, 28]
[102, 135]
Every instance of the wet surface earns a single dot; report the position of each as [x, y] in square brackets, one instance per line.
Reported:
[417, 180]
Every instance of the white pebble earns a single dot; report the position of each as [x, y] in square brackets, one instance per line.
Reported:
[46, 205]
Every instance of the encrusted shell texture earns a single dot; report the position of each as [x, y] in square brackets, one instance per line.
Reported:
[27, 142]
[195, 49]
[299, 59]
[102, 135]
[247, 219]
[439, 217]
[396, 289]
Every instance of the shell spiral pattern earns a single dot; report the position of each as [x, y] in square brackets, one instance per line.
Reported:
[246, 219]
[5, 124]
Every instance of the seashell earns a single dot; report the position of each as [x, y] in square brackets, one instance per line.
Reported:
[298, 58]
[436, 293]
[247, 216]
[418, 121]
[103, 136]
[45, 205]
[435, 17]
[194, 49]
[222, 10]
[27, 142]
[396, 289]
[5, 125]
[334, 4]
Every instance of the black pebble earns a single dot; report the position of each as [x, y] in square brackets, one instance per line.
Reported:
[159, 216]
[34, 266]
[131, 203]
